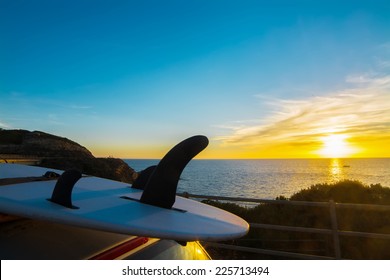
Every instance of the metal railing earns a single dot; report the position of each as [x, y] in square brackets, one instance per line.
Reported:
[334, 231]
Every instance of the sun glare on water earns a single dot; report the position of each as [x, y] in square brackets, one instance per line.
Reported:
[336, 146]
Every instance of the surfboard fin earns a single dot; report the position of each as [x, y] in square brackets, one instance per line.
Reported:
[160, 189]
[143, 178]
[62, 193]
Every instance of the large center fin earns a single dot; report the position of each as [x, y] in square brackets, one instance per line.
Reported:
[160, 189]
[143, 178]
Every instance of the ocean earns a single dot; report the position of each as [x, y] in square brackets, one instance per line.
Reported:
[269, 178]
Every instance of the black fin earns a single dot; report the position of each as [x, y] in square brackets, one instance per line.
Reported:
[143, 178]
[160, 189]
[62, 193]
[182, 243]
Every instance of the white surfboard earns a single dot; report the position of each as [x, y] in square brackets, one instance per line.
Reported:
[101, 206]
[113, 206]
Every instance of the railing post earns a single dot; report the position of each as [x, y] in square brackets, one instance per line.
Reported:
[336, 239]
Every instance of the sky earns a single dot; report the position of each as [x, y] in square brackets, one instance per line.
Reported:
[261, 79]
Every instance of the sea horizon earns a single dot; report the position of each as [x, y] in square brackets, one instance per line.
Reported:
[270, 178]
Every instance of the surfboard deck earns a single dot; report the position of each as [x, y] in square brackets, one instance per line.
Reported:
[115, 207]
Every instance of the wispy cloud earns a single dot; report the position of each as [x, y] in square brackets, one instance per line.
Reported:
[20, 98]
[4, 125]
[371, 80]
[24, 110]
[80, 107]
[361, 110]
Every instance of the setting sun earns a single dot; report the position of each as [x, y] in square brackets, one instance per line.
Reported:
[336, 146]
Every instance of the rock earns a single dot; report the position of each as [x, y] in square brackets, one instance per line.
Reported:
[62, 153]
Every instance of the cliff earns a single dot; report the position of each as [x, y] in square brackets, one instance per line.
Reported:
[62, 153]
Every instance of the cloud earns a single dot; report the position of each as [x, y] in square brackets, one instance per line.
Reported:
[363, 110]
[372, 80]
[384, 63]
[4, 125]
[80, 107]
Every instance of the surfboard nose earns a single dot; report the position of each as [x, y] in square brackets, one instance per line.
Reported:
[160, 189]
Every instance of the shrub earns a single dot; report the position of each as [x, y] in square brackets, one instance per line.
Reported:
[319, 217]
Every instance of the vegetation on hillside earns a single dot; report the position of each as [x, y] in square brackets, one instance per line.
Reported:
[11, 137]
[61, 153]
[348, 219]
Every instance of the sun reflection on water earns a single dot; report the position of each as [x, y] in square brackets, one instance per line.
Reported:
[336, 170]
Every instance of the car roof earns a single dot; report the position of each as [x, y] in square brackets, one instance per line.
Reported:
[22, 238]
[34, 239]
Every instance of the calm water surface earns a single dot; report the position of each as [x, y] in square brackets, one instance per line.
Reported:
[271, 178]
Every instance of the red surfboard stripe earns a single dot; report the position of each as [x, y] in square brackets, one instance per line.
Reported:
[121, 249]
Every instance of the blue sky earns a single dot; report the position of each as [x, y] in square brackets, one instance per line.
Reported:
[132, 78]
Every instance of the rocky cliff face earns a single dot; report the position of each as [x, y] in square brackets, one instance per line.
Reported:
[62, 153]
